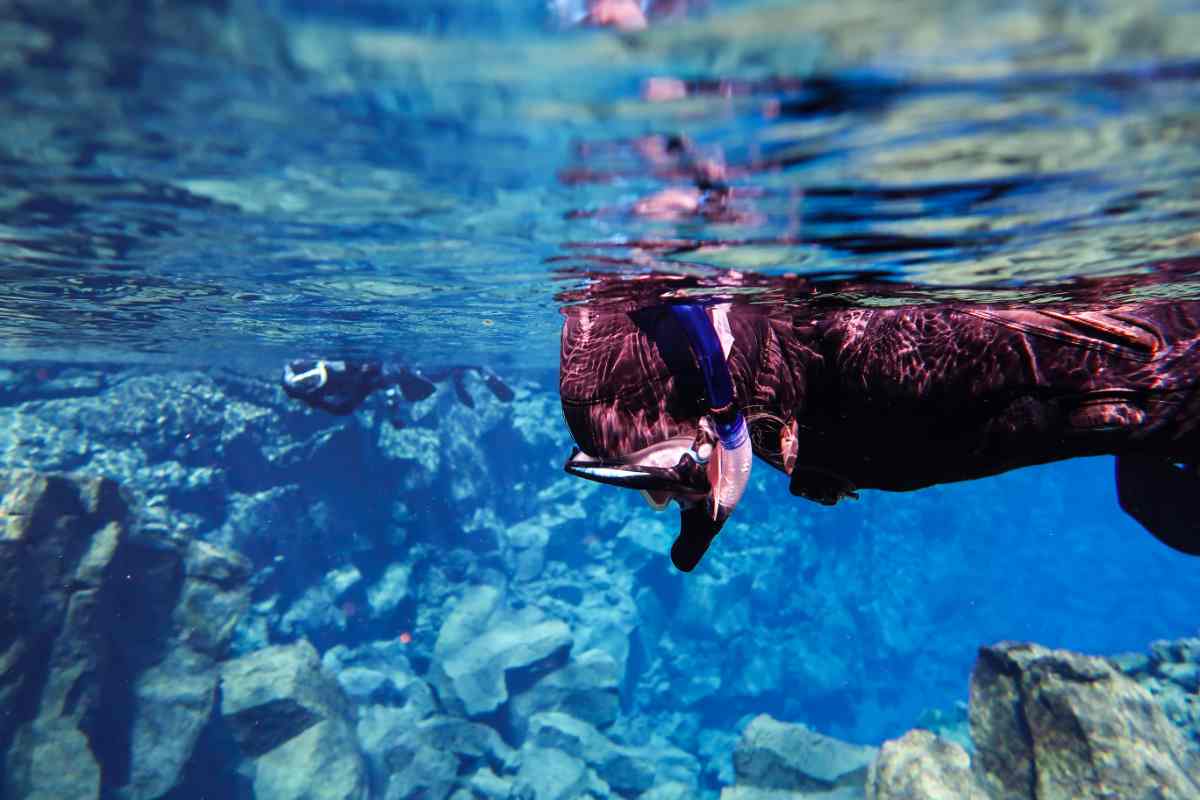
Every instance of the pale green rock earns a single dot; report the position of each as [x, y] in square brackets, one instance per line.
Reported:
[273, 695]
[50, 759]
[922, 766]
[173, 701]
[780, 755]
[322, 763]
[549, 774]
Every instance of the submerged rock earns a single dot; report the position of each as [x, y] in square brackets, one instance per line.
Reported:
[273, 695]
[60, 539]
[379, 672]
[322, 763]
[781, 755]
[35, 764]
[414, 757]
[587, 688]
[482, 644]
[1171, 673]
[173, 701]
[291, 719]
[626, 770]
[922, 766]
[550, 774]
[321, 610]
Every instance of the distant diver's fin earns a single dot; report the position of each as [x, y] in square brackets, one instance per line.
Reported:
[413, 386]
[498, 387]
[460, 391]
[1163, 497]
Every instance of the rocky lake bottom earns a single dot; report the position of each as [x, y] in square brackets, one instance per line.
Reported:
[210, 592]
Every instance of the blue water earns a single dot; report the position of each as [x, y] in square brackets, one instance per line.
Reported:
[419, 181]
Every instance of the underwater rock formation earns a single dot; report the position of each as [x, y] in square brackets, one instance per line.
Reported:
[1047, 725]
[111, 638]
[443, 671]
[57, 597]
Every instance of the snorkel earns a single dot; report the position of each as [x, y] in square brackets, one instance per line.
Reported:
[705, 474]
[731, 460]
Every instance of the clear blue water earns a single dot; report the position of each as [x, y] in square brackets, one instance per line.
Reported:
[419, 181]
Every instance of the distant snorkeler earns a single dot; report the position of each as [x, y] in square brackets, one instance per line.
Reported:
[670, 388]
[339, 386]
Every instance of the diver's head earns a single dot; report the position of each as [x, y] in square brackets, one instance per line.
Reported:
[336, 386]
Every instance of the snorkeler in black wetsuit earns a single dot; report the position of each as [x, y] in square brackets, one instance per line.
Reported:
[671, 396]
[340, 386]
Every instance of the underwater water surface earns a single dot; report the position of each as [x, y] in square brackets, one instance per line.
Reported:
[192, 194]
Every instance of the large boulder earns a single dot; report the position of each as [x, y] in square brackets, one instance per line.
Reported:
[1051, 724]
[322, 763]
[81, 581]
[172, 702]
[785, 756]
[273, 695]
[60, 544]
[174, 698]
[35, 764]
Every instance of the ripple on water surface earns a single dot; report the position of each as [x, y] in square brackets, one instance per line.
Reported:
[391, 177]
